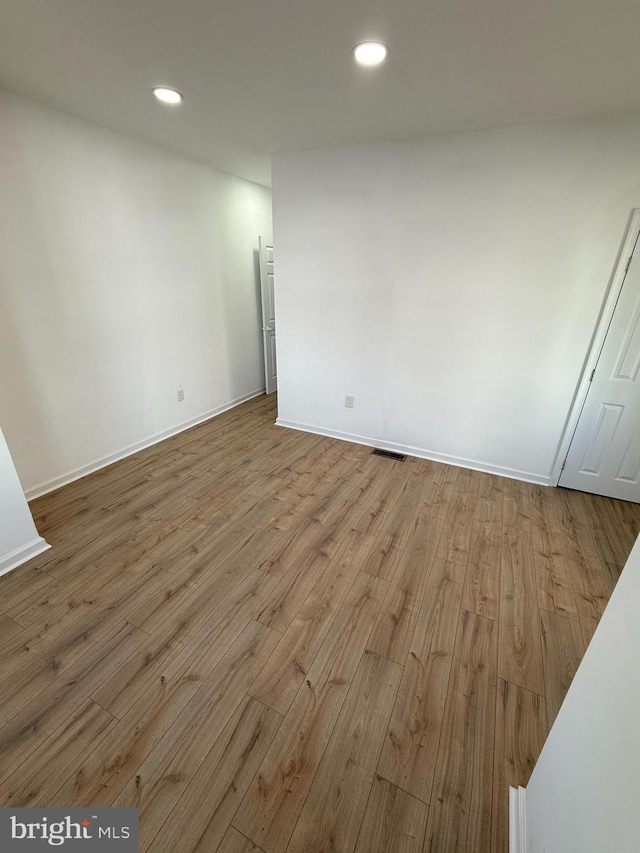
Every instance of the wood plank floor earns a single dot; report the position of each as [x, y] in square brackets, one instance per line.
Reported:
[275, 642]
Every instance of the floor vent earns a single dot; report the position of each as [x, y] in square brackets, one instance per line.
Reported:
[389, 454]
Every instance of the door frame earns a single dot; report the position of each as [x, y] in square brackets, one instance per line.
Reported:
[597, 342]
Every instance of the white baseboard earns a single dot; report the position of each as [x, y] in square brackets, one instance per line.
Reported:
[21, 555]
[517, 821]
[57, 482]
[460, 462]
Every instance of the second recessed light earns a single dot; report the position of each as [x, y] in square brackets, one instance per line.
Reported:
[370, 53]
[166, 95]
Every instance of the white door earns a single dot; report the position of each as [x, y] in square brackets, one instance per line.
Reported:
[604, 456]
[268, 316]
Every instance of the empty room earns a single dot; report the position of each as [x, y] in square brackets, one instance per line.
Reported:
[319, 426]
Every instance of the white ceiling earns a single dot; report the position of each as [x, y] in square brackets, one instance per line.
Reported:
[261, 76]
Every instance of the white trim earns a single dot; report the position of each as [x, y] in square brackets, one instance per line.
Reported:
[597, 342]
[460, 462]
[21, 555]
[517, 821]
[58, 482]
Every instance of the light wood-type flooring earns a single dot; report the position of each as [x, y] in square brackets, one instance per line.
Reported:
[273, 641]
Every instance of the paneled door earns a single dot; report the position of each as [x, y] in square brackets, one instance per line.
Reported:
[268, 316]
[604, 455]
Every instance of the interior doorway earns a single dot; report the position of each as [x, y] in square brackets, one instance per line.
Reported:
[604, 453]
[268, 316]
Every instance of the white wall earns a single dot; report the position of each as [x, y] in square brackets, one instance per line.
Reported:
[125, 272]
[19, 539]
[451, 284]
[583, 794]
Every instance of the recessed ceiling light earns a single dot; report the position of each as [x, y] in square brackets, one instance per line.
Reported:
[370, 53]
[167, 96]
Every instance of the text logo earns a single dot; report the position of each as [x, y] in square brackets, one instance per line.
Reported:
[73, 830]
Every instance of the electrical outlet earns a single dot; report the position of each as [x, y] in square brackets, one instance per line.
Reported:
[180, 395]
[349, 401]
